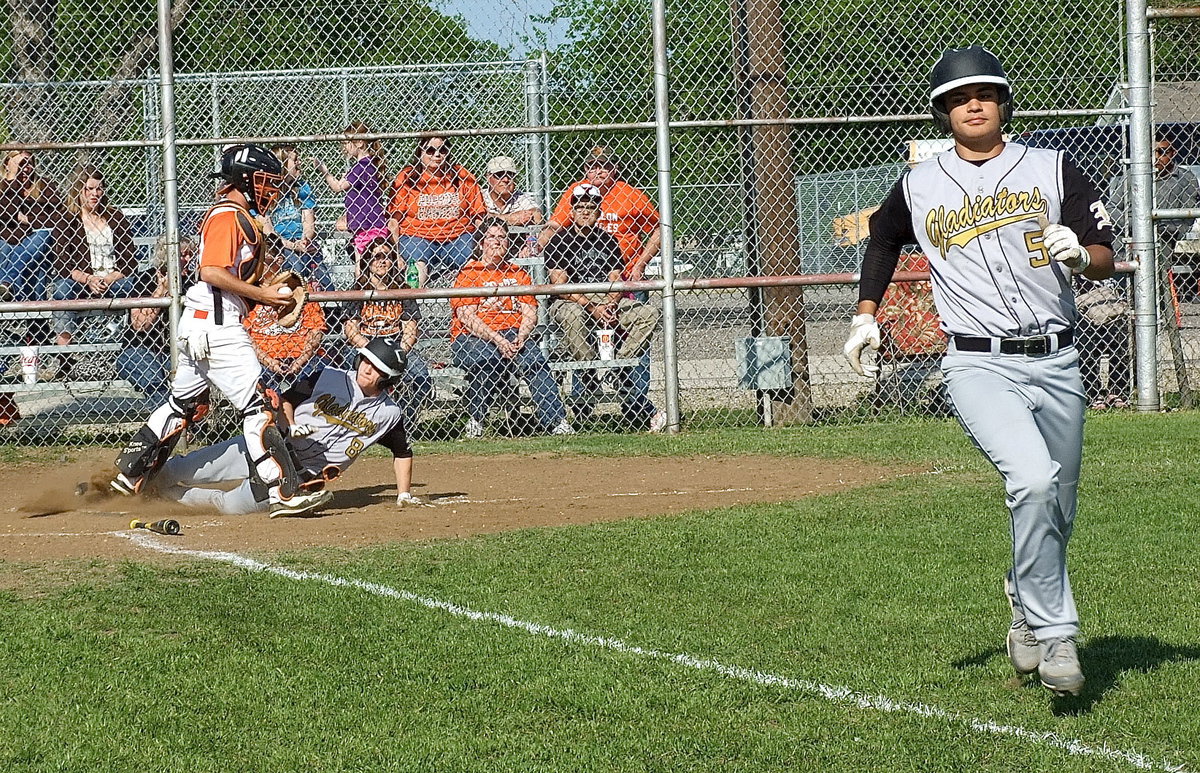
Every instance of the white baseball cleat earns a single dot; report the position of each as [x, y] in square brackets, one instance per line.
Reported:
[304, 502]
[1059, 669]
[1023, 650]
[123, 486]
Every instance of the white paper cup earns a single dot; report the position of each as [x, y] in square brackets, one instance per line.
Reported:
[29, 364]
[606, 343]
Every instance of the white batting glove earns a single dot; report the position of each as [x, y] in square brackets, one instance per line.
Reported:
[197, 344]
[1063, 246]
[406, 499]
[864, 331]
[302, 430]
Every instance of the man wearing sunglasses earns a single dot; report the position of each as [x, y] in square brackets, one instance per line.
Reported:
[502, 197]
[1175, 187]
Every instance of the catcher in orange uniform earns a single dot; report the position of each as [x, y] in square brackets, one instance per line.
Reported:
[215, 350]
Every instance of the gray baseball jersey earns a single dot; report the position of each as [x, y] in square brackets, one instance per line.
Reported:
[347, 421]
[978, 225]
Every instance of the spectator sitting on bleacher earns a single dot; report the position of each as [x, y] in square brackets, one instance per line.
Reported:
[30, 206]
[489, 336]
[294, 221]
[625, 212]
[287, 354]
[94, 253]
[395, 319]
[505, 202]
[145, 360]
[436, 204]
[584, 253]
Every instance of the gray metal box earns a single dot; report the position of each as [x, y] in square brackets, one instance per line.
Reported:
[764, 362]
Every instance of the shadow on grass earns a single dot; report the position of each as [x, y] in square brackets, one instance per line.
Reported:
[1105, 660]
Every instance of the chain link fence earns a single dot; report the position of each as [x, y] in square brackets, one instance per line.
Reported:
[789, 124]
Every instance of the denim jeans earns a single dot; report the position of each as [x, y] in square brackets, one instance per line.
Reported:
[440, 257]
[310, 265]
[145, 368]
[416, 390]
[67, 289]
[487, 370]
[25, 266]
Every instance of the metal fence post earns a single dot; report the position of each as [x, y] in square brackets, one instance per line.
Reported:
[662, 134]
[1141, 202]
[166, 80]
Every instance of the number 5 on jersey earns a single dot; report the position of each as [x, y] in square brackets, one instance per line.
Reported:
[1034, 243]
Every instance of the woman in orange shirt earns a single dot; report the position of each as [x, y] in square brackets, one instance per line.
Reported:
[435, 207]
[489, 337]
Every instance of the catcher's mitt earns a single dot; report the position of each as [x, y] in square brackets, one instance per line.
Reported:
[289, 315]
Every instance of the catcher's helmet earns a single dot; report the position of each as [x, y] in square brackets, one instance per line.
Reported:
[963, 67]
[388, 358]
[255, 171]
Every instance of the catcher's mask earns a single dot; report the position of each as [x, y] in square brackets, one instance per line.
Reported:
[963, 67]
[388, 358]
[255, 172]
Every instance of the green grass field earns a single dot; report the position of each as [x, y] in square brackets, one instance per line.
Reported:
[748, 619]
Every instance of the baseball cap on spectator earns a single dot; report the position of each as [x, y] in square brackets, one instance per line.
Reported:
[586, 192]
[501, 164]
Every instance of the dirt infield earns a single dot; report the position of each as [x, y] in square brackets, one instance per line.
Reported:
[469, 495]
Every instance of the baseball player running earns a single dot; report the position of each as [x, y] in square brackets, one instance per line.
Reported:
[334, 415]
[1004, 226]
[215, 349]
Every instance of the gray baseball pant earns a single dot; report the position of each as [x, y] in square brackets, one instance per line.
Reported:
[182, 477]
[1025, 413]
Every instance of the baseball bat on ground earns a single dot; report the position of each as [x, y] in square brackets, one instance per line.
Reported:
[165, 526]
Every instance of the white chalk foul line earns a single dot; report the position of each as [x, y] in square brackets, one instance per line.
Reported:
[833, 693]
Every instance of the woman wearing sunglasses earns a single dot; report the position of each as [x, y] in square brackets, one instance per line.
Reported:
[393, 319]
[435, 207]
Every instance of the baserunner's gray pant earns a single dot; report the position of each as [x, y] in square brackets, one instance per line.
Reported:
[1026, 414]
[182, 477]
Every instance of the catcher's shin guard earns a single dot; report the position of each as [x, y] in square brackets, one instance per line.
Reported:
[273, 473]
[148, 450]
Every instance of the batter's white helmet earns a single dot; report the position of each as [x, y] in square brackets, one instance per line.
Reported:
[963, 67]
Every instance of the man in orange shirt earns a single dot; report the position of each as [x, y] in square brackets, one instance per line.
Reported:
[625, 212]
[489, 336]
[215, 349]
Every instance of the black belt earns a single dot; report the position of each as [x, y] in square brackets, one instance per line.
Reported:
[1025, 345]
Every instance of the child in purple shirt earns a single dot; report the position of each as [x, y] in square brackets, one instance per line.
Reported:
[366, 216]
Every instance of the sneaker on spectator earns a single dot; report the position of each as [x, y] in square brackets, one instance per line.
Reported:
[658, 422]
[50, 369]
[474, 430]
[563, 428]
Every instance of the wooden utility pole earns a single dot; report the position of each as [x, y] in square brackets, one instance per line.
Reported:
[772, 230]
